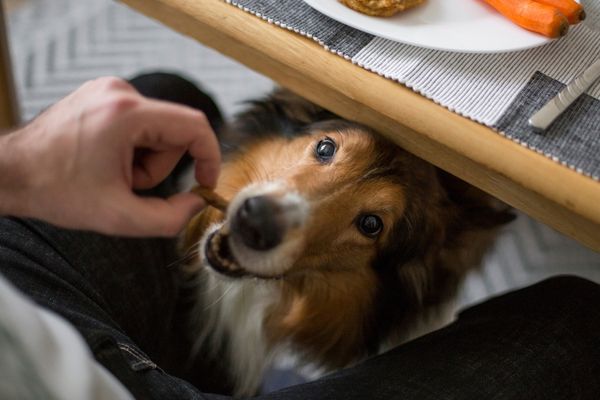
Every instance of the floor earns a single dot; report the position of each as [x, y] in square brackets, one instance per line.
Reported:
[58, 44]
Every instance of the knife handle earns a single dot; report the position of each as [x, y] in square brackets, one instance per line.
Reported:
[547, 114]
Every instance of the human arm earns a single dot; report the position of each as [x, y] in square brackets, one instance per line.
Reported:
[77, 164]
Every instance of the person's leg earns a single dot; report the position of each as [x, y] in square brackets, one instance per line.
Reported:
[542, 342]
[118, 293]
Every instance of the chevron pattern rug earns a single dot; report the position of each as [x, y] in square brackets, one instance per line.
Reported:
[59, 44]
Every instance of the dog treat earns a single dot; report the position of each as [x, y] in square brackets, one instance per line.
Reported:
[212, 198]
[380, 8]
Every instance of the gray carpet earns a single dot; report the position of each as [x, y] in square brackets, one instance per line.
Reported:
[58, 44]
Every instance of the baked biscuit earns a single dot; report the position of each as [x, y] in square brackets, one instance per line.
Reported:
[380, 8]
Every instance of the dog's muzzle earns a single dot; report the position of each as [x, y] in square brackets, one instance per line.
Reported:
[259, 223]
[261, 235]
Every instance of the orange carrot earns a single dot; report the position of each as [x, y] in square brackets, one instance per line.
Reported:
[533, 16]
[570, 8]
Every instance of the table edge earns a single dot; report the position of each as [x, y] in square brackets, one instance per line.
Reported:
[531, 182]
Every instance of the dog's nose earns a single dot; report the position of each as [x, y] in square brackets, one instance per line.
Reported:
[258, 224]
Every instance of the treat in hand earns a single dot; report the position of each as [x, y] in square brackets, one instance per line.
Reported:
[212, 198]
[381, 8]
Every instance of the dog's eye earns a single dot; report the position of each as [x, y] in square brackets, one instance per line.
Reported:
[325, 150]
[369, 225]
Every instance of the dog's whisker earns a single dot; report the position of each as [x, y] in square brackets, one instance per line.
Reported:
[208, 285]
[189, 255]
[225, 292]
[179, 261]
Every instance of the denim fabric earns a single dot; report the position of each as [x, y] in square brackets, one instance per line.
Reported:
[119, 293]
[537, 343]
[542, 342]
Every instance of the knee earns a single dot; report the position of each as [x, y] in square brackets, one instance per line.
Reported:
[559, 288]
[571, 298]
[562, 296]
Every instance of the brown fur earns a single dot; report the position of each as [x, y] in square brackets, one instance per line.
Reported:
[347, 294]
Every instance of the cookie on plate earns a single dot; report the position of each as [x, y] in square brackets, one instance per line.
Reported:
[380, 8]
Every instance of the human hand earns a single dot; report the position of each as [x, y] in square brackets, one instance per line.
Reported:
[77, 164]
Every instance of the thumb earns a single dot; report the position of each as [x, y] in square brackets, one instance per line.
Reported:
[153, 216]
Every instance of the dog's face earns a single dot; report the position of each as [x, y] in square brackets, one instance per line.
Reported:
[346, 226]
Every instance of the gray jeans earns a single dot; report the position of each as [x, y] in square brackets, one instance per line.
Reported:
[541, 342]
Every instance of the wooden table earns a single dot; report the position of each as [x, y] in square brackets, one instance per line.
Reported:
[9, 115]
[547, 191]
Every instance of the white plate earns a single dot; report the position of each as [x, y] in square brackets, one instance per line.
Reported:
[453, 25]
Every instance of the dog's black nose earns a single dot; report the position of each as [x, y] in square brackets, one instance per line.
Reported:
[258, 223]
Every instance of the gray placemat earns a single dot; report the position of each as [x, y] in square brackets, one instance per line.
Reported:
[573, 136]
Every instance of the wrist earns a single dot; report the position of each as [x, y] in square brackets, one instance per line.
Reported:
[15, 180]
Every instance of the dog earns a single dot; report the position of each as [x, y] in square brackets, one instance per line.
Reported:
[336, 246]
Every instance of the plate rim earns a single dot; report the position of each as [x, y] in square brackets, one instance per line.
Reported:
[318, 6]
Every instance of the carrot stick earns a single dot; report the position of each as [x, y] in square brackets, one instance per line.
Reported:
[533, 16]
[570, 8]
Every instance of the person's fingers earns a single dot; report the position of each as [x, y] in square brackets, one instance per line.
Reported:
[207, 172]
[162, 124]
[151, 167]
[152, 216]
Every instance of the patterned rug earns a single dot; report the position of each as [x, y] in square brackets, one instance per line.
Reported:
[58, 44]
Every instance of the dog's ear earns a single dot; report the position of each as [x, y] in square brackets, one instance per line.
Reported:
[477, 209]
[471, 226]
[446, 229]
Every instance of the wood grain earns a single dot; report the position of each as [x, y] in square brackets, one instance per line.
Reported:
[9, 115]
[548, 191]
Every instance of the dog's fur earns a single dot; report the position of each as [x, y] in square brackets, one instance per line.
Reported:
[328, 293]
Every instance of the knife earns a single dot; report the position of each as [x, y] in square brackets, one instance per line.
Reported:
[546, 115]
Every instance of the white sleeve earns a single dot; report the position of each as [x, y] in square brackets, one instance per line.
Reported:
[43, 357]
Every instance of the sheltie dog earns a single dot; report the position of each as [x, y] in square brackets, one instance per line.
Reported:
[337, 245]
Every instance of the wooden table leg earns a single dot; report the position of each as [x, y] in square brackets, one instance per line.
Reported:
[9, 112]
